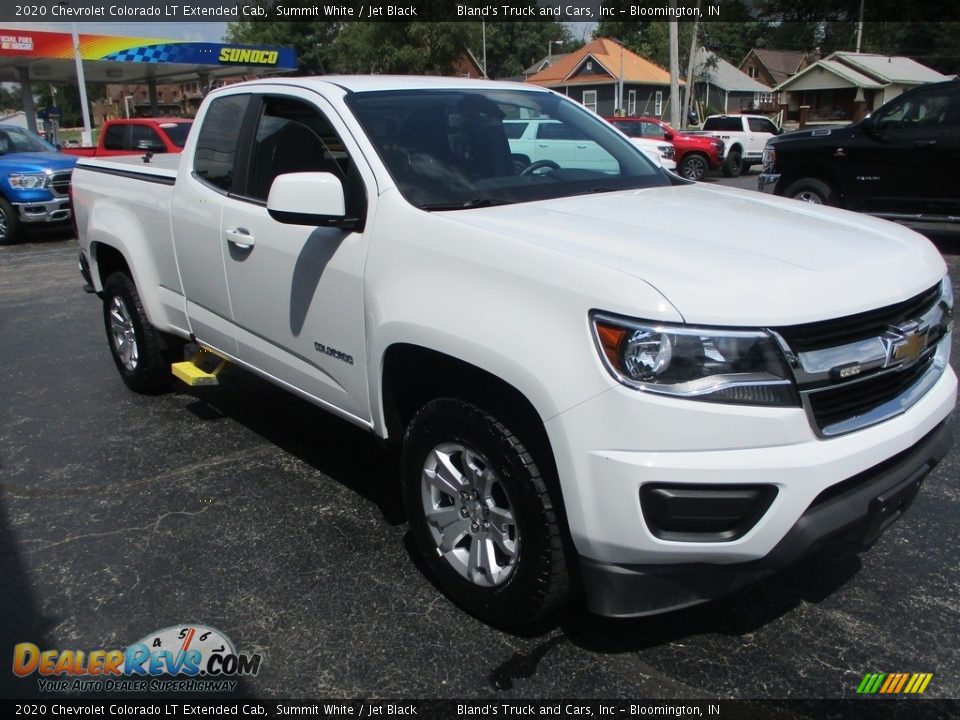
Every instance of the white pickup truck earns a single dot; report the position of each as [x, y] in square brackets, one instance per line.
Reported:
[744, 137]
[593, 389]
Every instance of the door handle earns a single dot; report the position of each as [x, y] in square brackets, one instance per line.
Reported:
[925, 143]
[240, 237]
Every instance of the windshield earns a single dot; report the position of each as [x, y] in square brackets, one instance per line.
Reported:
[177, 132]
[17, 140]
[450, 149]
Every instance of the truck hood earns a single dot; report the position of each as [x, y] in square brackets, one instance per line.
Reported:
[834, 132]
[730, 257]
[35, 162]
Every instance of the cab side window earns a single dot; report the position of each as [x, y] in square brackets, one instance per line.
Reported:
[931, 113]
[144, 137]
[293, 136]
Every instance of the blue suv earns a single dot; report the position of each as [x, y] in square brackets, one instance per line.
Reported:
[34, 182]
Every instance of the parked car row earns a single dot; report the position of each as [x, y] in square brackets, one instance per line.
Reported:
[694, 155]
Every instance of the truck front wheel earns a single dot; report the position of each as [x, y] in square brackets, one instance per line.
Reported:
[482, 515]
[811, 190]
[9, 223]
[694, 166]
[141, 353]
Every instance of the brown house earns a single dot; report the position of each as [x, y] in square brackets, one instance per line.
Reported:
[596, 73]
[772, 67]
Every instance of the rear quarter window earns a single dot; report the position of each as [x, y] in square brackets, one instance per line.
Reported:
[724, 124]
[215, 158]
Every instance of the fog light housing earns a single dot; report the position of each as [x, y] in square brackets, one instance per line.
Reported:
[694, 513]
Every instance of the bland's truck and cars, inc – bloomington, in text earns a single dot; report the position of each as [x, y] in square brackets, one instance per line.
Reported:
[595, 385]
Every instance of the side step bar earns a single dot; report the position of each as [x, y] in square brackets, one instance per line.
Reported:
[192, 373]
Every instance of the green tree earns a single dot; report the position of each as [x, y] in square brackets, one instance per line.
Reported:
[416, 48]
[10, 98]
[514, 46]
[313, 41]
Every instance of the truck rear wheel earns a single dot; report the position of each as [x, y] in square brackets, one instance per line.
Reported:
[734, 164]
[10, 226]
[141, 353]
[482, 515]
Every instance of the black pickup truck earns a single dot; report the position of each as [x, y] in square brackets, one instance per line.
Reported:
[899, 163]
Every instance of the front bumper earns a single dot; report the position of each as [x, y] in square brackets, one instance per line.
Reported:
[858, 510]
[49, 211]
[767, 182]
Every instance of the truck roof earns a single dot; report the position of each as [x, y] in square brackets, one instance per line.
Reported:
[363, 83]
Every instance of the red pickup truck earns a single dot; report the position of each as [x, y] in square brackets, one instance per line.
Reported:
[694, 154]
[138, 135]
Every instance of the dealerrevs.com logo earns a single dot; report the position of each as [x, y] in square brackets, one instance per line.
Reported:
[182, 658]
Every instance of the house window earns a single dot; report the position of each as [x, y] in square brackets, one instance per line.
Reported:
[658, 103]
[762, 98]
[589, 64]
[632, 102]
[590, 100]
[752, 71]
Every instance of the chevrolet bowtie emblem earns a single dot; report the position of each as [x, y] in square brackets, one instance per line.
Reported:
[908, 350]
[904, 345]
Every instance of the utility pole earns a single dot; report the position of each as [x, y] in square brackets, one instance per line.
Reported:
[860, 27]
[674, 68]
[688, 95]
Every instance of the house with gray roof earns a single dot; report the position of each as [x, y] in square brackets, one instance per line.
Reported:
[722, 88]
[845, 86]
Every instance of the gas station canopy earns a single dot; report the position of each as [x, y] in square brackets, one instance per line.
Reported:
[32, 55]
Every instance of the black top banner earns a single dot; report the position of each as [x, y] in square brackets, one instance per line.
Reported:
[42, 11]
[489, 709]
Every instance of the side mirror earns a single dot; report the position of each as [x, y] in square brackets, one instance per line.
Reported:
[150, 146]
[309, 198]
[869, 125]
[668, 136]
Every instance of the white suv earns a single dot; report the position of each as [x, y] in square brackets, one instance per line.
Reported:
[543, 139]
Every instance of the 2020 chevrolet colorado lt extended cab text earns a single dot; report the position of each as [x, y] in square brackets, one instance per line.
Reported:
[589, 390]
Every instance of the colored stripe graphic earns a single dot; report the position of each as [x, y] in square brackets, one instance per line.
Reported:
[894, 683]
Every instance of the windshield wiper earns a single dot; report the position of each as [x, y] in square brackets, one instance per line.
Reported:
[599, 189]
[467, 205]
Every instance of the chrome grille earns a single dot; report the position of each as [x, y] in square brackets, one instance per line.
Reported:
[60, 184]
[832, 333]
[862, 369]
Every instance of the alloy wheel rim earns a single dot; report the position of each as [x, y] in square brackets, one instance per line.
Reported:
[469, 515]
[695, 169]
[808, 196]
[123, 334]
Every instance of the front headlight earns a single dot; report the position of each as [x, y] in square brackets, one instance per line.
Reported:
[28, 181]
[743, 367]
[666, 151]
[769, 158]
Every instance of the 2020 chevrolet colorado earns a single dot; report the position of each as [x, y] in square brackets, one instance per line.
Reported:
[591, 389]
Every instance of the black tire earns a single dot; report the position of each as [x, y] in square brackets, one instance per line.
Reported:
[536, 582]
[733, 165]
[10, 226]
[694, 166]
[813, 191]
[148, 371]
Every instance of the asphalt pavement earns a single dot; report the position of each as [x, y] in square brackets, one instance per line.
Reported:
[248, 510]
